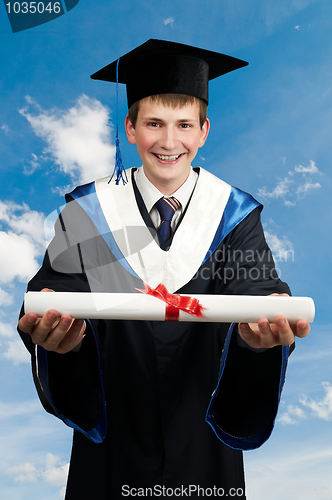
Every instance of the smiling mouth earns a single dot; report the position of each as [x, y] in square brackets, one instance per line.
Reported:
[168, 157]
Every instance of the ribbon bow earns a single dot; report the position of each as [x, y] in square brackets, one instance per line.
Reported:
[174, 302]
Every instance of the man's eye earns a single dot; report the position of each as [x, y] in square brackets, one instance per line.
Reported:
[185, 125]
[153, 124]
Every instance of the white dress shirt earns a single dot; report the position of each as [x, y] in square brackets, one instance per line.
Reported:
[151, 195]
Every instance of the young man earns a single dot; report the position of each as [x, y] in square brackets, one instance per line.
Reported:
[137, 392]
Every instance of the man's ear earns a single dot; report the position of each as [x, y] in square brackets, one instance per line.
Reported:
[204, 132]
[130, 131]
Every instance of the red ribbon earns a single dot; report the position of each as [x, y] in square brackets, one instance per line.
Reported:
[174, 302]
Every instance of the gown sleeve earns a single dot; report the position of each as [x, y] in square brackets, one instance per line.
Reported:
[70, 386]
[244, 404]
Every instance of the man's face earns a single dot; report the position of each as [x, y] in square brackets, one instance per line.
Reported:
[167, 140]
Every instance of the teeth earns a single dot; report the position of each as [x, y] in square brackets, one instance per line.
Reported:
[168, 158]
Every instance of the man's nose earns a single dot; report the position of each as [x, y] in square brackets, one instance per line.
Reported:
[169, 139]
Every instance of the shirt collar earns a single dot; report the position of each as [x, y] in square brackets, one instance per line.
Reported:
[151, 194]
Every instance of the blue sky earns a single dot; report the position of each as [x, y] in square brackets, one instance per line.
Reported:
[270, 136]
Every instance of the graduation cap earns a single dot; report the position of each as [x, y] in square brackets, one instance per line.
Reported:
[163, 67]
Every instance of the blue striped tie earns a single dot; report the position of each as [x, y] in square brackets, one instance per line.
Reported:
[166, 208]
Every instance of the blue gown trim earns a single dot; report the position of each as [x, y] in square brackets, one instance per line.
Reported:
[98, 433]
[87, 198]
[251, 442]
[239, 205]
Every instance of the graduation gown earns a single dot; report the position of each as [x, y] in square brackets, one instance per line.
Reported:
[140, 395]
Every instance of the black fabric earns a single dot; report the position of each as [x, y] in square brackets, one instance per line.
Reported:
[163, 67]
[173, 76]
[241, 420]
[159, 376]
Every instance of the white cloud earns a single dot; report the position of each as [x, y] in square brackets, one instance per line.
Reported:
[310, 169]
[318, 354]
[281, 248]
[27, 222]
[281, 189]
[297, 27]
[7, 330]
[307, 186]
[33, 165]
[291, 190]
[24, 473]
[287, 417]
[16, 352]
[78, 139]
[292, 471]
[62, 492]
[18, 257]
[22, 242]
[289, 203]
[321, 409]
[169, 20]
[56, 472]
[5, 298]
[62, 190]
[53, 471]
[5, 128]
[10, 410]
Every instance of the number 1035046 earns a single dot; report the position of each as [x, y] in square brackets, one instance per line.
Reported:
[33, 7]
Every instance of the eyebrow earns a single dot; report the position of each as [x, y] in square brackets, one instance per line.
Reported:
[182, 120]
[188, 120]
[152, 118]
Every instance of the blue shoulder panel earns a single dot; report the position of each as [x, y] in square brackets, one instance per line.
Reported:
[251, 442]
[239, 205]
[87, 198]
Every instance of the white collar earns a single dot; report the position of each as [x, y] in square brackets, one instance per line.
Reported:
[190, 244]
[151, 194]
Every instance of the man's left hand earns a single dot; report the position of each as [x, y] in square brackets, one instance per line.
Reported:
[265, 335]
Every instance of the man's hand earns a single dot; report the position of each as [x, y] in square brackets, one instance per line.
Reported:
[54, 333]
[265, 335]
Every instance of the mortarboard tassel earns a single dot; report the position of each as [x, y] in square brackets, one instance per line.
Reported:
[118, 168]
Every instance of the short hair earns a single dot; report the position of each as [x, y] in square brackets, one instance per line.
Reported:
[173, 101]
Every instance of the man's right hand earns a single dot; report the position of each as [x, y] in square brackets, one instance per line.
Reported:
[53, 332]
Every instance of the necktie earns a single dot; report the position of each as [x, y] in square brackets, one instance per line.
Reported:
[166, 208]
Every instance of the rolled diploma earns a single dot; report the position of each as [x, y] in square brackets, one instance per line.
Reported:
[138, 306]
